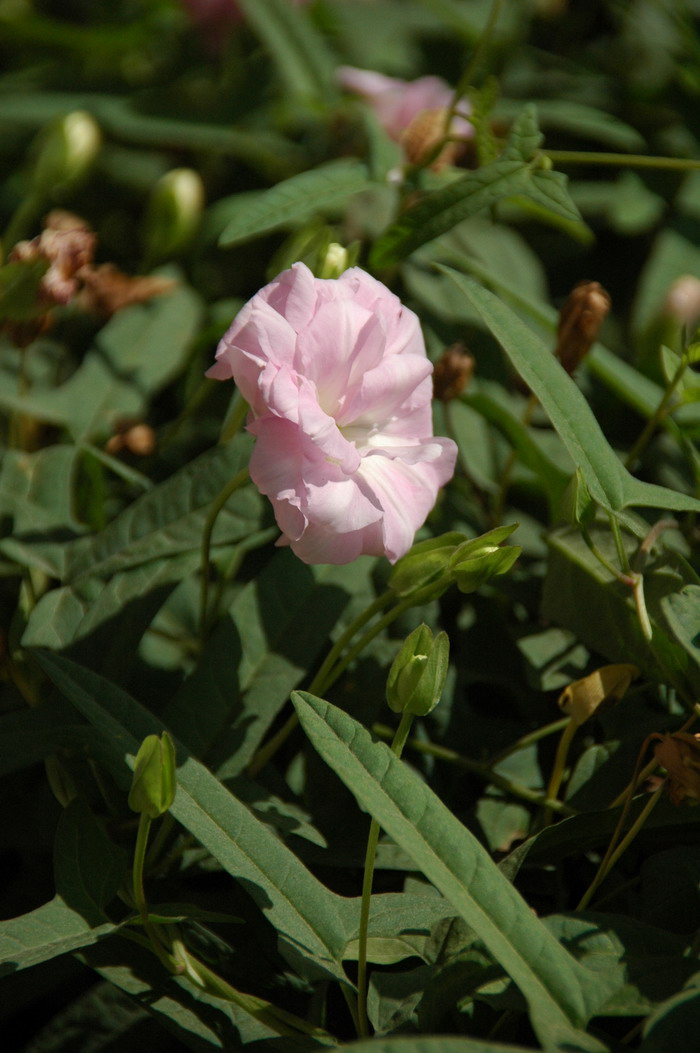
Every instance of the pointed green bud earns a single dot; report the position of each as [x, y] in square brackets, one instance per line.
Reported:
[577, 505]
[424, 572]
[173, 213]
[153, 784]
[417, 675]
[66, 150]
[477, 561]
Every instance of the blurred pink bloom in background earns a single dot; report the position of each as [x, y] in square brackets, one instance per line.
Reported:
[339, 388]
[398, 102]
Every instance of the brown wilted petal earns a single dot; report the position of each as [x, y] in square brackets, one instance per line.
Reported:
[580, 320]
[679, 754]
[582, 698]
[453, 372]
[68, 245]
[422, 136]
[106, 289]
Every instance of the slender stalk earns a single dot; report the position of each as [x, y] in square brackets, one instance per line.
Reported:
[467, 78]
[370, 855]
[659, 413]
[320, 683]
[234, 484]
[611, 858]
[530, 739]
[680, 164]
[140, 895]
[559, 766]
[482, 771]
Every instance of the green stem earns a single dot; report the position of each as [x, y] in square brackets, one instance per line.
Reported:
[482, 771]
[234, 484]
[557, 776]
[681, 164]
[611, 858]
[659, 413]
[530, 739]
[320, 683]
[140, 896]
[368, 877]
[467, 78]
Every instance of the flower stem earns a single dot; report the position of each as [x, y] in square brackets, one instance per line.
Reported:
[657, 417]
[140, 896]
[681, 164]
[557, 776]
[234, 484]
[368, 877]
[326, 676]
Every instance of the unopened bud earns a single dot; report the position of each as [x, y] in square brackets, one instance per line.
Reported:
[682, 302]
[417, 675]
[173, 213]
[477, 561]
[67, 150]
[424, 572]
[337, 259]
[153, 784]
[453, 372]
[583, 697]
[580, 320]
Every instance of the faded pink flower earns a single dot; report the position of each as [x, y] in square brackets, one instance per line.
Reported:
[398, 102]
[339, 388]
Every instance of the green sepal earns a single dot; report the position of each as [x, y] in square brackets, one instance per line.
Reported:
[153, 784]
[417, 675]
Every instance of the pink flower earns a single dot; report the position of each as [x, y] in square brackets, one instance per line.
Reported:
[339, 388]
[398, 102]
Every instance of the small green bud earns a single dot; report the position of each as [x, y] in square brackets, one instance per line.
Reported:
[153, 784]
[424, 570]
[417, 675]
[477, 561]
[66, 151]
[337, 259]
[173, 213]
[577, 505]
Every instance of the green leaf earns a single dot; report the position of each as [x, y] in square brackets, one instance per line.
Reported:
[296, 47]
[514, 175]
[301, 909]
[577, 583]
[89, 868]
[37, 489]
[319, 190]
[561, 995]
[430, 1044]
[274, 631]
[608, 480]
[44, 933]
[140, 350]
[29, 735]
[170, 518]
[19, 290]
[675, 1024]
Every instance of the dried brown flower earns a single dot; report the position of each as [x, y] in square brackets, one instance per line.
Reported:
[106, 289]
[580, 320]
[139, 439]
[453, 372]
[422, 136]
[68, 246]
[679, 754]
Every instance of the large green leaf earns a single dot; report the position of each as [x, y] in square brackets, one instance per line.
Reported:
[517, 174]
[36, 489]
[301, 909]
[44, 933]
[577, 583]
[89, 868]
[608, 480]
[293, 201]
[560, 993]
[170, 518]
[271, 634]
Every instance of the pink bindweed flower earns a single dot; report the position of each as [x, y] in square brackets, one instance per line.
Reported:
[339, 388]
[397, 103]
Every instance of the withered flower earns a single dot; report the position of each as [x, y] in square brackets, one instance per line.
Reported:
[453, 372]
[106, 289]
[580, 320]
[679, 754]
[137, 438]
[580, 699]
[68, 245]
[422, 136]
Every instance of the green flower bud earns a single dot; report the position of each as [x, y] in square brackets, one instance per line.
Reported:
[417, 675]
[337, 259]
[66, 151]
[424, 570]
[153, 784]
[477, 561]
[173, 213]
